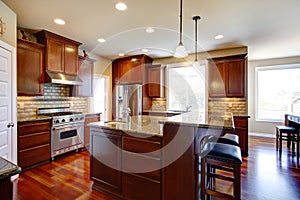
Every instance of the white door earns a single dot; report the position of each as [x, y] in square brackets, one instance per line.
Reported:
[99, 102]
[7, 126]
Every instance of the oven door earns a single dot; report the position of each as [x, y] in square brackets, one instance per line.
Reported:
[66, 136]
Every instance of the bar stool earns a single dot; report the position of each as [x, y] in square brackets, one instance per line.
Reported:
[290, 134]
[229, 138]
[224, 157]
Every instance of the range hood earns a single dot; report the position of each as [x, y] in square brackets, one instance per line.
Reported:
[60, 78]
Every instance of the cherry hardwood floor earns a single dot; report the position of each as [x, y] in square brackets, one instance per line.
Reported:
[264, 176]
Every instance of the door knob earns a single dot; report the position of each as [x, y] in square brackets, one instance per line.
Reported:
[10, 125]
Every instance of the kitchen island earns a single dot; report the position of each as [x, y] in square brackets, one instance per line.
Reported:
[151, 157]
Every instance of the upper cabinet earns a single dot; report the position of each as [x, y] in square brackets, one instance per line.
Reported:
[129, 70]
[156, 80]
[30, 68]
[85, 73]
[61, 53]
[227, 76]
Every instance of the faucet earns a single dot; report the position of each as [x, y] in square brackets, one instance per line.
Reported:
[127, 114]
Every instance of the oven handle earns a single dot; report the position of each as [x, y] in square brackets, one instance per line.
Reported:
[66, 126]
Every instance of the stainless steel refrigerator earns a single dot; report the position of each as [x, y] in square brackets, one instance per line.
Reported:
[128, 96]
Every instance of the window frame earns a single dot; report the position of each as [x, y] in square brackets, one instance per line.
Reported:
[266, 68]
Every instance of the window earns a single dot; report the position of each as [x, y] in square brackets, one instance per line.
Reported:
[186, 87]
[278, 91]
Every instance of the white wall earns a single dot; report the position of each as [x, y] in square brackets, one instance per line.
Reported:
[10, 19]
[257, 126]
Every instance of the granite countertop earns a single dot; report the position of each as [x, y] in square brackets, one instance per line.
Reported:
[93, 113]
[165, 111]
[141, 124]
[33, 118]
[152, 125]
[196, 119]
[8, 169]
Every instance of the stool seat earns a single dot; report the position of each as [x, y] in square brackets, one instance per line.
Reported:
[229, 138]
[224, 152]
[286, 128]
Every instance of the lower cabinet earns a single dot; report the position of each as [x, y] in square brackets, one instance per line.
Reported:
[33, 143]
[124, 166]
[88, 119]
[241, 129]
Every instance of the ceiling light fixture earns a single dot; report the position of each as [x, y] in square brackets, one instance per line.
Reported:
[101, 40]
[180, 51]
[59, 21]
[121, 6]
[145, 50]
[121, 54]
[149, 30]
[218, 37]
[196, 19]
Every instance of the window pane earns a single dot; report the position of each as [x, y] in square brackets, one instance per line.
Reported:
[278, 92]
[186, 88]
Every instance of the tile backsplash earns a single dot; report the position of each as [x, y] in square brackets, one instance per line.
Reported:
[237, 106]
[55, 95]
[159, 104]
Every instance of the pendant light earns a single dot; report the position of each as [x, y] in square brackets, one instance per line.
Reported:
[196, 19]
[180, 51]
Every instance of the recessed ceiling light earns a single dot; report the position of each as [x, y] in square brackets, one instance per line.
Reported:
[133, 59]
[121, 6]
[218, 37]
[145, 50]
[149, 30]
[101, 40]
[59, 21]
[121, 54]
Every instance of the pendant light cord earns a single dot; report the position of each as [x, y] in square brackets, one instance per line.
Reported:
[196, 18]
[180, 16]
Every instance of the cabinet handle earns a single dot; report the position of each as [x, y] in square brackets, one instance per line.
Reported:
[10, 125]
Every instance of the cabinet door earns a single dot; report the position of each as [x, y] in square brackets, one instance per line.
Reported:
[154, 89]
[136, 72]
[235, 73]
[124, 71]
[30, 68]
[71, 59]
[85, 73]
[106, 161]
[55, 55]
[216, 79]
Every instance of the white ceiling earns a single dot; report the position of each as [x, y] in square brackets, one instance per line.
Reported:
[270, 28]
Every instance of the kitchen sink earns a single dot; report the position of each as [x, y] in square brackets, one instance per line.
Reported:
[114, 122]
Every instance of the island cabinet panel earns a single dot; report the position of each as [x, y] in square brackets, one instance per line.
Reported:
[33, 143]
[106, 161]
[179, 163]
[30, 68]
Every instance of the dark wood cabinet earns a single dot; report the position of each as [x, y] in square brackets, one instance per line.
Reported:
[33, 143]
[30, 68]
[85, 73]
[89, 119]
[129, 70]
[134, 164]
[106, 161]
[241, 129]
[156, 80]
[227, 76]
[61, 53]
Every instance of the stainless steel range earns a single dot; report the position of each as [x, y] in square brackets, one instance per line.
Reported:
[67, 131]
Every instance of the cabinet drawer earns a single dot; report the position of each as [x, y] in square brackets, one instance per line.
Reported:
[32, 140]
[135, 187]
[143, 165]
[34, 155]
[241, 122]
[138, 145]
[36, 127]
